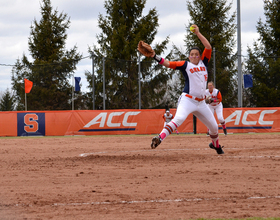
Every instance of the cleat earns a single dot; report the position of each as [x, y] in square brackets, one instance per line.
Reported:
[219, 150]
[225, 131]
[207, 134]
[155, 142]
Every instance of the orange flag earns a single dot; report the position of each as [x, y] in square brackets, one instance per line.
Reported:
[28, 85]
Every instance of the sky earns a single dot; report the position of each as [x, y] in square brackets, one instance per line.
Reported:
[16, 17]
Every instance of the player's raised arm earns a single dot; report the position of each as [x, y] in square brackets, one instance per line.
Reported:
[203, 39]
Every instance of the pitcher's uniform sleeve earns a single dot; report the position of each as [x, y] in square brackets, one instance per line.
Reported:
[219, 96]
[177, 65]
[206, 56]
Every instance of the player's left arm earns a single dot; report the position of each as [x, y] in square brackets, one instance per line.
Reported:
[219, 96]
[161, 60]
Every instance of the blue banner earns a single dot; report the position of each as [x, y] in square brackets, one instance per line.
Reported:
[248, 81]
[31, 124]
[77, 84]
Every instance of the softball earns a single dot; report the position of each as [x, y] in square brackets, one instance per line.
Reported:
[191, 28]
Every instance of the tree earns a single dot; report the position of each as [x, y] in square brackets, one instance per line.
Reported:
[264, 59]
[212, 19]
[122, 28]
[7, 101]
[52, 65]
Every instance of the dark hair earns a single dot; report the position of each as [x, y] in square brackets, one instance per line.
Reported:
[195, 48]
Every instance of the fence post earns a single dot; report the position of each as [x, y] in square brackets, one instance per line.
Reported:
[194, 124]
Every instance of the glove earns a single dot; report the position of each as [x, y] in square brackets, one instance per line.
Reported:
[209, 99]
[145, 49]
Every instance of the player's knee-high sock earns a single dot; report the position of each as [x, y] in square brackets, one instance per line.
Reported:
[223, 124]
[167, 130]
[215, 140]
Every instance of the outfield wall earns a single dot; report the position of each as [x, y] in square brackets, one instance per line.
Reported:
[127, 121]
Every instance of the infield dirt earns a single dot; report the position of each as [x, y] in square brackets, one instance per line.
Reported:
[120, 177]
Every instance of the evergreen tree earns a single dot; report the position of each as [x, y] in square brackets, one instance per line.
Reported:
[7, 101]
[52, 64]
[122, 28]
[264, 59]
[212, 19]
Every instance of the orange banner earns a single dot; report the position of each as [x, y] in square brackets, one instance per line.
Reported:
[244, 120]
[127, 121]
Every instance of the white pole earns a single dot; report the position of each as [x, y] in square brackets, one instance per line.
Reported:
[93, 89]
[73, 92]
[103, 83]
[239, 56]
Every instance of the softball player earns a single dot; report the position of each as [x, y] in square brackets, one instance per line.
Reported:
[192, 98]
[216, 104]
[167, 117]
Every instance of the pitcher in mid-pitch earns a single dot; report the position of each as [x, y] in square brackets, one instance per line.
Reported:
[192, 98]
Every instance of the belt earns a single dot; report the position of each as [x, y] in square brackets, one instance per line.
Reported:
[195, 98]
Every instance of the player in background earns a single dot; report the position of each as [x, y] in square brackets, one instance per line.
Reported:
[215, 104]
[167, 117]
[192, 98]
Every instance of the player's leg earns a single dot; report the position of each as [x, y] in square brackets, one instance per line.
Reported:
[205, 115]
[219, 112]
[184, 108]
[213, 111]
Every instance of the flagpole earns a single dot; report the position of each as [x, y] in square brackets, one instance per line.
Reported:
[25, 102]
[73, 92]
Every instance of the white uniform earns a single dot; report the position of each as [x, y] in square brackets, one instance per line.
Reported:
[216, 106]
[192, 98]
[167, 118]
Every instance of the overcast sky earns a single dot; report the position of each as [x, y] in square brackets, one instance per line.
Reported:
[16, 17]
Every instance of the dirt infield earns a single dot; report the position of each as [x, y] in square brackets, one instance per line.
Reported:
[120, 177]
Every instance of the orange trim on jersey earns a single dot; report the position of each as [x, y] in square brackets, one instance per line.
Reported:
[174, 64]
[206, 53]
[219, 96]
[195, 98]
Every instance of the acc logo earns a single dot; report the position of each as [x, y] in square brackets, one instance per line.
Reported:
[30, 124]
[254, 118]
[121, 124]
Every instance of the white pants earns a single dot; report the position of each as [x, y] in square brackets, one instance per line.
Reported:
[219, 111]
[200, 109]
